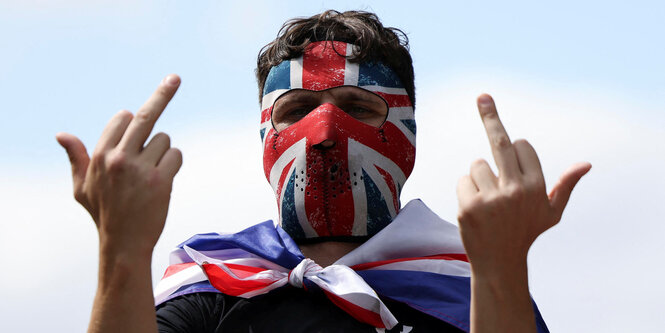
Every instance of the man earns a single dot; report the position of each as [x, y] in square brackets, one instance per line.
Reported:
[337, 126]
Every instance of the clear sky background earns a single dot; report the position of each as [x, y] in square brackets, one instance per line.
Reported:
[581, 80]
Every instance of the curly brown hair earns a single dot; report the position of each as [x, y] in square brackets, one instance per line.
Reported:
[375, 43]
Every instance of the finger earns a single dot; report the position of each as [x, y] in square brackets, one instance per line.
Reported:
[156, 148]
[140, 127]
[502, 148]
[482, 175]
[528, 161]
[78, 157]
[561, 191]
[466, 189]
[170, 162]
[114, 130]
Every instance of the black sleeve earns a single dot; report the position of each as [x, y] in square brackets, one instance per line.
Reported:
[198, 312]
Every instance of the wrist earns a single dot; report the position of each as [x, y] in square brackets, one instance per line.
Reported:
[118, 269]
[125, 244]
[503, 280]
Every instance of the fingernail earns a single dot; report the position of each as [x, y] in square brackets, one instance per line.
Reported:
[485, 100]
[172, 80]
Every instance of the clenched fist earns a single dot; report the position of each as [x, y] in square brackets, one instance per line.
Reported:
[126, 184]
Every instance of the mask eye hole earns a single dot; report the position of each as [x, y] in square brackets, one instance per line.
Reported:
[361, 104]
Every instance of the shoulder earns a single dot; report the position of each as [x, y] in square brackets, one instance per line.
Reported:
[282, 310]
[191, 313]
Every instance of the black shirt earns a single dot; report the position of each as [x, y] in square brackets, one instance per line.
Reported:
[283, 310]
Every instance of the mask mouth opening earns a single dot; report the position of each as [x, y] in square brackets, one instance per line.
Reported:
[361, 104]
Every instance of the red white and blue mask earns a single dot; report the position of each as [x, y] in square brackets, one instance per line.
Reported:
[349, 189]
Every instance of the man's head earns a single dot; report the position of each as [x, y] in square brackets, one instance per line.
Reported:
[337, 124]
[375, 42]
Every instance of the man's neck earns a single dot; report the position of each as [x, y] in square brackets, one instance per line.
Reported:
[326, 253]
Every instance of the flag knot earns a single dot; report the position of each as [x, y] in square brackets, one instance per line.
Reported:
[306, 268]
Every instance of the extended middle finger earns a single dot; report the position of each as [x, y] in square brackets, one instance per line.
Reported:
[144, 120]
[502, 148]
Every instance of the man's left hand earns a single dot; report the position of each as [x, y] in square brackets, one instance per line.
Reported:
[501, 216]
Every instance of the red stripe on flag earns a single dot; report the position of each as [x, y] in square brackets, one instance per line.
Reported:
[323, 68]
[391, 185]
[280, 184]
[243, 271]
[395, 101]
[172, 269]
[359, 313]
[448, 256]
[265, 114]
[229, 285]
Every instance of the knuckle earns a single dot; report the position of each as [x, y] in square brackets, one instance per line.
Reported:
[471, 205]
[163, 137]
[124, 113]
[537, 186]
[515, 191]
[463, 214]
[143, 116]
[462, 181]
[163, 91]
[478, 163]
[117, 162]
[178, 154]
[501, 141]
[489, 113]
[522, 142]
[97, 159]
[155, 178]
[79, 195]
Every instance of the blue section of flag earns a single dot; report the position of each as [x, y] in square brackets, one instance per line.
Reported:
[262, 132]
[263, 239]
[289, 209]
[409, 123]
[279, 77]
[378, 215]
[198, 287]
[377, 74]
[442, 296]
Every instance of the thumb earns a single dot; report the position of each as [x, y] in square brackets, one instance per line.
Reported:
[561, 191]
[78, 156]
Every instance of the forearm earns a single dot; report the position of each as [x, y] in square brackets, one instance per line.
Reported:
[500, 301]
[124, 300]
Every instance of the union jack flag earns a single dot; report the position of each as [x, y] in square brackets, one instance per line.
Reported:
[365, 192]
[418, 260]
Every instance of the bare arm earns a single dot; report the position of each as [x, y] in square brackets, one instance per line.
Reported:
[126, 188]
[500, 217]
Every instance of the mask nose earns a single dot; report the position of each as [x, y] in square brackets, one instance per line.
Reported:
[324, 126]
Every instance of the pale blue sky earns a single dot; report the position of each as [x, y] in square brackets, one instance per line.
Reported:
[69, 65]
[582, 80]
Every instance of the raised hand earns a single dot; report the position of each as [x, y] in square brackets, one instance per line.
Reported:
[126, 185]
[500, 216]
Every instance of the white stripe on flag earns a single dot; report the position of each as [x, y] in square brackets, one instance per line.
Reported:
[296, 73]
[439, 266]
[350, 69]
[386, 90]
[268, 99]
[168, 285]
[347, 284]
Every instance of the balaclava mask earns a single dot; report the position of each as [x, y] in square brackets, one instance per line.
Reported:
[350, 189]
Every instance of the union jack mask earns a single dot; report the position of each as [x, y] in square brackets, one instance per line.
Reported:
[338, 143]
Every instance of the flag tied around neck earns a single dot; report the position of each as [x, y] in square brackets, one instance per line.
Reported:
[418, 260]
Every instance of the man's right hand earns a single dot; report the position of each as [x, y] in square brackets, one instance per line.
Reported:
[126, 185]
